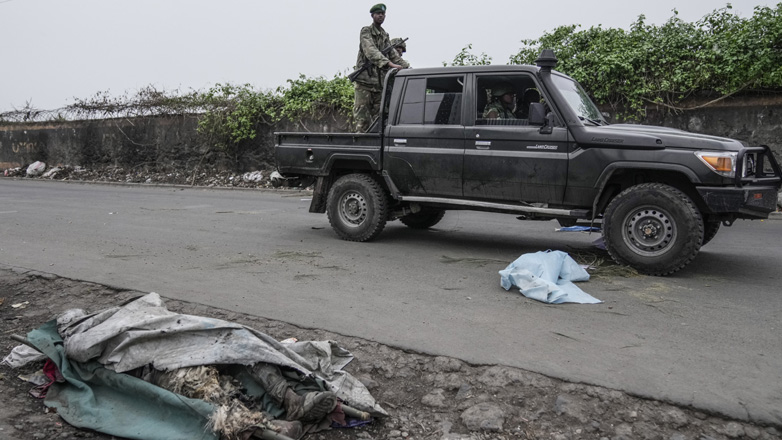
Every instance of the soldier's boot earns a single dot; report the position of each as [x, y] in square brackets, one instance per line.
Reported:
[271, 380]
[310, 407]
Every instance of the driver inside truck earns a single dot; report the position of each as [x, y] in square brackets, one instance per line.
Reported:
[503, 103]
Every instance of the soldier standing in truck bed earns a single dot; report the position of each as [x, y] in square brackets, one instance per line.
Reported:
[369, 84]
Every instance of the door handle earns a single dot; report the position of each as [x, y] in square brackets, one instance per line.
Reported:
[482, 145]
[400, 141]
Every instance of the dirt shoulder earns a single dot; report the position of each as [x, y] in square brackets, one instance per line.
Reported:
[427, 397]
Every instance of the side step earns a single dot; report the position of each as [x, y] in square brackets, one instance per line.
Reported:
[473, 204]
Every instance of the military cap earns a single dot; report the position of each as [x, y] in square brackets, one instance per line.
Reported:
[380, 7]
[502, 89]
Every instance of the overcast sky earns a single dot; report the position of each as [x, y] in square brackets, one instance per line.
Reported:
[55, 50]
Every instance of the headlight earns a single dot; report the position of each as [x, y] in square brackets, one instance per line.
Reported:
[723, 164]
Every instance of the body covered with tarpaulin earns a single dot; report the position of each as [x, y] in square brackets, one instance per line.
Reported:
[92, 349]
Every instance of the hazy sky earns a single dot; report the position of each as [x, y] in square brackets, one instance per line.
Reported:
[54, 50]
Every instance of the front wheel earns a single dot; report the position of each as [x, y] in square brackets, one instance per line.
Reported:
[357, 207]
[653, 228]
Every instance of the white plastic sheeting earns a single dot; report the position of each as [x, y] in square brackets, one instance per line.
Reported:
[22, 355]
[36, 169]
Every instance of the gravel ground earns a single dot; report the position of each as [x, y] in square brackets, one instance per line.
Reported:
[427, 397]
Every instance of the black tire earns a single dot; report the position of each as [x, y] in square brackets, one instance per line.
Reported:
[710, 229]
[423, 219]
[357, 207]
[653, 228]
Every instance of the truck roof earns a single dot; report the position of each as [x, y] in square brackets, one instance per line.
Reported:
[469, 69]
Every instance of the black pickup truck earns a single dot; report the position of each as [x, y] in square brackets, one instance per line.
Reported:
[659, 194]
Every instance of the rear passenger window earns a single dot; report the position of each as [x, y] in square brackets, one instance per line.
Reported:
[435, 100]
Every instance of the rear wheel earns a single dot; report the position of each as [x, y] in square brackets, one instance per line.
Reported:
[423, 219]
[357, 207]
[653, 228]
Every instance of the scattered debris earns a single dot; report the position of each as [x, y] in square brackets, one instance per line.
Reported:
[36, 169]
[206, 176]
[51, 173]
[255, 176]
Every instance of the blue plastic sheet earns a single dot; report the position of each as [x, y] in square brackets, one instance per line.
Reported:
[547, 276]
[578, 229]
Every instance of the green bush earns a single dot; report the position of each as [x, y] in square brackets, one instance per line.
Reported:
[717, 56]
[316, 97]
[232, 114]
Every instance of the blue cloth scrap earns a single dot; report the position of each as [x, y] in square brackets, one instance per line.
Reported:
[578, 229]
[547, 276]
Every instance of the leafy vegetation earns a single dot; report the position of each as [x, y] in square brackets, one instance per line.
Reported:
[717, 56]
[467, 58]
[228, 114]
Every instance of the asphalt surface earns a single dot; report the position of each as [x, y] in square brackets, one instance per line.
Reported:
[707, 337]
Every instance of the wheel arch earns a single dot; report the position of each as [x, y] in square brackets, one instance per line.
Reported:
[618, 177]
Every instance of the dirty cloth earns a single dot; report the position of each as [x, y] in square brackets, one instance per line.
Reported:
[22, 355]
[121, 405]
[143, 332]
[547, 276]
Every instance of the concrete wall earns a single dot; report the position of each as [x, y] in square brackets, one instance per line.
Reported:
[171, 142]
[157, 143]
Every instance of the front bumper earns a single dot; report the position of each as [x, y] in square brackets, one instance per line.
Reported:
[747, 201]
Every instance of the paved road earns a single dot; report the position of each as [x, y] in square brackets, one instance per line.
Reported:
[708, 337]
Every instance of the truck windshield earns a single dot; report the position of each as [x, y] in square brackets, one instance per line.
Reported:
[578, 100]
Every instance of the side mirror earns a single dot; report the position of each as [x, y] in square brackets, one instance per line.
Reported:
[537, 114]
[549, 127]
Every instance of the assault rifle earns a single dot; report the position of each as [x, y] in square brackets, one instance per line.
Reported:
[368, 64]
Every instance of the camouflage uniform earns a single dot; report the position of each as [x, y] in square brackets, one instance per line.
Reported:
[502, 111]
[369, 84]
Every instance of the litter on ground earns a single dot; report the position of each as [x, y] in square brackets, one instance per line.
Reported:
[547, 276]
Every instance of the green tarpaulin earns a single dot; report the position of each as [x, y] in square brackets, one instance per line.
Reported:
[118, 404]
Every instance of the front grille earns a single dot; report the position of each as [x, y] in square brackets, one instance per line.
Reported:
[757, 166]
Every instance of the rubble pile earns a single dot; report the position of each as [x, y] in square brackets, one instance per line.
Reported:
[209, 176]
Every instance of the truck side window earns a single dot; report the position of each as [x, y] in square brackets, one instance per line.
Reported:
[505, 99]
[436, 100]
